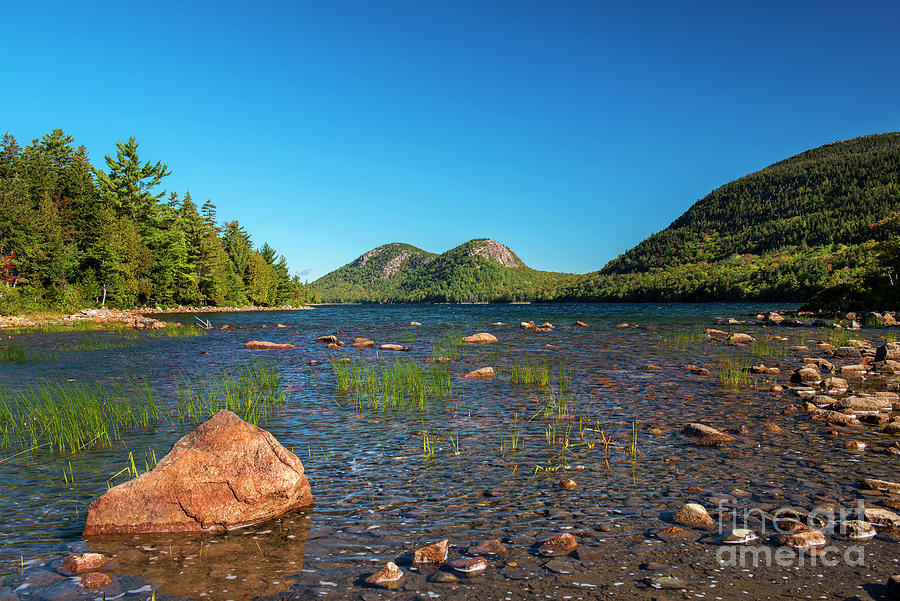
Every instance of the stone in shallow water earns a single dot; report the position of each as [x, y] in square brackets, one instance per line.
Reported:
[225, 474]
[567, 484]
[95, 580]
[693, 514]
[470, 566]
[481, 373]
[387, 577]
[802, 540]
[561, 544]
[882, 517]
[668, 582]
[488, 547]
[740, 536]
[857, 529]
[432, 554]
[883, 485]
[81, 563]
[704, 435]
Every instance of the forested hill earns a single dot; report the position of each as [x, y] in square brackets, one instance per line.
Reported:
[783, 233]
[480, 270]
[72, 236]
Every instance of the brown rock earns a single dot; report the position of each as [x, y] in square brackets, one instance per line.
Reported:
[561, 544]
[888, 352]
[95, 581]
[693, 514]
[836, 384]
[716, 333]
[882, 517]
[883, 485]
[854, 371]
[280, 325]
[855, 445]
[333, 346]
[806, 375]
[762, 369]
[387, 577]
[846, 352]
[695, 369]
[488, 547]
[390, 347]
[80, 563]
[225, 474]
[771, 428]
[740, 338]
[833, 417]
[481, 373]
[469, 566]
[567, 484]
[862, 403]
[581, 324]
[654, 432]
[704, 435]
[361, 343]
[432, 554]
[803, 540]
[481, 338]
[414, 323]
[260, 345]
[328, 339]
[892, 428]
[821, 364]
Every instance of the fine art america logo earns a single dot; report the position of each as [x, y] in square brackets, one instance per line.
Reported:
[799, 536]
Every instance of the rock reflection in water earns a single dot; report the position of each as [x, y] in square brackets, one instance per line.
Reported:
[241, 564]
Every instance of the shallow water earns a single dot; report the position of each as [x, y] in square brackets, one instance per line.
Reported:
[377, 497]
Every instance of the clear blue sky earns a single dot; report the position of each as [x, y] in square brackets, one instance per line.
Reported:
[567, 130]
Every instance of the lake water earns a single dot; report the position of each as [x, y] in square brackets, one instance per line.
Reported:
[378, 498]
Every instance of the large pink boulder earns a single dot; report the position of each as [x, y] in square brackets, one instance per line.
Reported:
[225, 474]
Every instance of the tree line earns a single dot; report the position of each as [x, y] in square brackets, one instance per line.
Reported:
[74, 236]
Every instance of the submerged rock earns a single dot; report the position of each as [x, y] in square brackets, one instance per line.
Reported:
[696, 369]
[481, 338]
[328, 339]
[387, 577]
[481, 373]
[488, 547]
[362, 343]
[261, 345]
[704, 435]
[693, 514]
[581, 324]
[567, 484]
[95, 581]
[740, 536]
[561, 544]
[225, 474]
[81, 563]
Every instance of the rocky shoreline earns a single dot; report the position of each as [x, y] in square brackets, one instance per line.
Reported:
[133, 318]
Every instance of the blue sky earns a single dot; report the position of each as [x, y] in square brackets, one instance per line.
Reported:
[567, 130]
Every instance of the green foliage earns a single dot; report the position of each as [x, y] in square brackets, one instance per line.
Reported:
[72, 236]
[783, 233]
